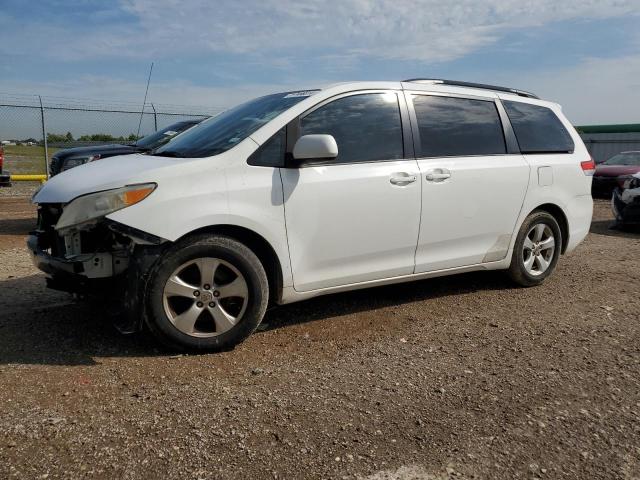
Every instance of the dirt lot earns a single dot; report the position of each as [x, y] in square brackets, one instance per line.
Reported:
[463, 377]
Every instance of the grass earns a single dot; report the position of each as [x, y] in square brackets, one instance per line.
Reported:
[25, 159]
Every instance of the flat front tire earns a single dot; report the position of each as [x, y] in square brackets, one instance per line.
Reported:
[208, 293]
[537, 249]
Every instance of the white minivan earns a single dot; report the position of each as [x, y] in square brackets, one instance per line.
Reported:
[305, 193]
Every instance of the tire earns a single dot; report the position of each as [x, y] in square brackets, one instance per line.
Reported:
[532, 261]
[214, 275]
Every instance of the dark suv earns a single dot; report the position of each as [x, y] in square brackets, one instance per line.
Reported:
[74, 157]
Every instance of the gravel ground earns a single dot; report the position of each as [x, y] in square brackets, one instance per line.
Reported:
[18, 189]
[459, 377]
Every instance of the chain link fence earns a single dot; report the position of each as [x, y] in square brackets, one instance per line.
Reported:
[32, 128]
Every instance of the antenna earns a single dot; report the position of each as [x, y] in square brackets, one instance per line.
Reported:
[144, 102]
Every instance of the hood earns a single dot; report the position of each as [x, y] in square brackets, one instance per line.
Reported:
[616, 170]
[114, 149]
[98, 176]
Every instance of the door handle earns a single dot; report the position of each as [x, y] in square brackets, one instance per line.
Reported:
[437, 175]
[401, 179]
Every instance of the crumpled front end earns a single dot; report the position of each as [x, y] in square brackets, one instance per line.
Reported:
[625, 202]
[103, 257]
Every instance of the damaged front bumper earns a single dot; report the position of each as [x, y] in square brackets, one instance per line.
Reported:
[103, 258]
[626, 206]
[76, 261]
[68, 275]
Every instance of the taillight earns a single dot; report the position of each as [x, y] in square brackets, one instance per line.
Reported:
[588, 166]
[1, 158]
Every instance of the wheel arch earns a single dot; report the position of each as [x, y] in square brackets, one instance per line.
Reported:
[258, 244]
[557, 213]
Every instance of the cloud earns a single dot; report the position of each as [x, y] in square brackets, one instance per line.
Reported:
[235, 43]
[426, 31]
[596, 91]
[276, 30]
[94, 90]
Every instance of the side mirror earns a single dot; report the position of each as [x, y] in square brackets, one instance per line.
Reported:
[315, 147]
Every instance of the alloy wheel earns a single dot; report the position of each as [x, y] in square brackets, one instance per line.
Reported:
[538, 249]
[205, 297]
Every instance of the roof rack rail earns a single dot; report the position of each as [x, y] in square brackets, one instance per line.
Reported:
[457, 83]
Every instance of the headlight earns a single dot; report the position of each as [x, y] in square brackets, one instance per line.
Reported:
[76, 162]
[95, 205]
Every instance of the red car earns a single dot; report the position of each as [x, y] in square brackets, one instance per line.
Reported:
[607, 174]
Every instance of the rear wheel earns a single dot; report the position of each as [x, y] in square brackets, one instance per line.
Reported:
[209, 293]
[537, 249]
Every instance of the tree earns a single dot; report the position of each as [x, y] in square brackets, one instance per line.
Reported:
[55, 137]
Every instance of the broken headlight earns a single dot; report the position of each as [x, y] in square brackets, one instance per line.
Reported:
[96, 205]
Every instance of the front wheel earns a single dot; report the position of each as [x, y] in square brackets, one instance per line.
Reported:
[537, 249]
[208, 293]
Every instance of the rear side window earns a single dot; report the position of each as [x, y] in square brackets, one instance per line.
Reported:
[366, 127]
[458, 127]
[538, 129]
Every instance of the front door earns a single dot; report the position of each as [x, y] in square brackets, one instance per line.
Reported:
[355, 218]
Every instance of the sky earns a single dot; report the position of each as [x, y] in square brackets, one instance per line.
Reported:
[583, 54]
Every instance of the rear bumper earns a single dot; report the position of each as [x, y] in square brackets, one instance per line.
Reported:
[627, 213]
[579, 215]
[5, 180]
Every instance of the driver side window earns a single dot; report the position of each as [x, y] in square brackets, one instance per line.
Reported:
[366, 127]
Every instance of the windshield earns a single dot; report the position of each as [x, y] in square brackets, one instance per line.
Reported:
[163, 135]
[224, 131]
[629, 158]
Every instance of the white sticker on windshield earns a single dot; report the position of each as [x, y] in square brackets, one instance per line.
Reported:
[304, 93]
[170, 133]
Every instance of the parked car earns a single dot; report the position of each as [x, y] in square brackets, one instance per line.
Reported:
[5, 178]
[605, 179]
[299, 194]
[626, 201]
[73, 157]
